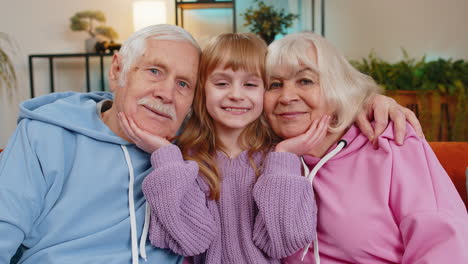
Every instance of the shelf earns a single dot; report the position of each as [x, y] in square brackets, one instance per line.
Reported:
[208, 5]
[51, 58]
[203, 4]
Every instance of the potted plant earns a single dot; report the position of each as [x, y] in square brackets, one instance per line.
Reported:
[267, 21]
[85, 21]
[8, 81]
[435, 90]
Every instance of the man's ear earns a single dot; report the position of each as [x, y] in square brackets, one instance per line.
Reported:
[115, 71]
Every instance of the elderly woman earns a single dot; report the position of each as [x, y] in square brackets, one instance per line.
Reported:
[394, 204]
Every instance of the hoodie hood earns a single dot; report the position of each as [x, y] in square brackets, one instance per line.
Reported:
[73, 111]
[354, 139]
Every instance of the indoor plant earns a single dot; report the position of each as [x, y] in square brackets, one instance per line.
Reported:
[436, 90]
[267, 21]
[8, 81]
[85, 21]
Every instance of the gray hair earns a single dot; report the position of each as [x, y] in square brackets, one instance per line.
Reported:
[135, 45]
[344, 88]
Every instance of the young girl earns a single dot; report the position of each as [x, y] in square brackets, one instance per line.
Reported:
[227, 196]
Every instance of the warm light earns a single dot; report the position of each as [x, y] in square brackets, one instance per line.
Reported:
[147, 12]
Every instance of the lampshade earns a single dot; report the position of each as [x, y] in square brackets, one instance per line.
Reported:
[148, 12]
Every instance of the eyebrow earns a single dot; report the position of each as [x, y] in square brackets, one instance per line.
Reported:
[155, 63]
[307, 69]
[224, 75]
[220, 74]
[191, 79]
[302, 70]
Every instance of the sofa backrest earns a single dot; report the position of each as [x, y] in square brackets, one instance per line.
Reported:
[454, 158]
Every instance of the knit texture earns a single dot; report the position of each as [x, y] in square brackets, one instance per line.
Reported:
[255, 220]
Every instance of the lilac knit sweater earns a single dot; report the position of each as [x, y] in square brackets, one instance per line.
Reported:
[254, 221]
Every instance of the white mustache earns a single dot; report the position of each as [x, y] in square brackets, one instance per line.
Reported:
[158, 106]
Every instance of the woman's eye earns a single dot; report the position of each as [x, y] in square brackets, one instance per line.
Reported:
[306, 82]
[275, 85]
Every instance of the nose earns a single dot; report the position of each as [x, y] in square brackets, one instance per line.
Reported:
[288, 94]
[164, 90]
[235, 93]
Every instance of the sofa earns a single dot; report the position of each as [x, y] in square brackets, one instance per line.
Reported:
[454, 158]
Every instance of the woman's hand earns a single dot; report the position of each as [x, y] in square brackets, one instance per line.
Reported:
[303, 143]
[144, 140]
[380, 108]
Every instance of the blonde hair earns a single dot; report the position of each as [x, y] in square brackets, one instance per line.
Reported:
[344, 87]
[238, 51]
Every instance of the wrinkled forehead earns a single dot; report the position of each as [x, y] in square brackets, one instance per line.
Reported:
[287, 60]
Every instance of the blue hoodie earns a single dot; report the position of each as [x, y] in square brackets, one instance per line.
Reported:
[65, 187]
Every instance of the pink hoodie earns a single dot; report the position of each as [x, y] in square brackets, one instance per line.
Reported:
[391, 205]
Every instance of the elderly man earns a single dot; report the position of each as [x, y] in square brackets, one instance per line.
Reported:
[70, 181]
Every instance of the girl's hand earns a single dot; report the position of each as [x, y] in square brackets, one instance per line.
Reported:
[144, 140]
[302, 144]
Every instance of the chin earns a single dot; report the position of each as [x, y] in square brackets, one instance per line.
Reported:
[164, 133]
[286, 134]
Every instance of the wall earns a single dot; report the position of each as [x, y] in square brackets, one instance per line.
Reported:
[43, 27]
[356, 27]
[422, 27]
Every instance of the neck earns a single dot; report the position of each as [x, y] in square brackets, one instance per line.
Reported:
[329, 140]
[230, 140]
[111, 120]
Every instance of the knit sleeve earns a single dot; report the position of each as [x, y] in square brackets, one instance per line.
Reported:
[180, 218]
[429, 211]
[287, 217]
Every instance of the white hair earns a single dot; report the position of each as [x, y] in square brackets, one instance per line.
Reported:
[345, 89]
[135, 45]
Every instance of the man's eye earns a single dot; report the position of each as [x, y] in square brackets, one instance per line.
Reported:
[183, 84]
[155, 71]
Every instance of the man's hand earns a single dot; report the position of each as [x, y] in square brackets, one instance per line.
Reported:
[304, 143]
[144, 140]
[380, 108]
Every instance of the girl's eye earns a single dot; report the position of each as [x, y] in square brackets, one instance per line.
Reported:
[306, 82]
[251, 84]
[275, 85]
[221, 83]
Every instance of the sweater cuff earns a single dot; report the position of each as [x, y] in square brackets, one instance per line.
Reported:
[166, 154]
[282, 163]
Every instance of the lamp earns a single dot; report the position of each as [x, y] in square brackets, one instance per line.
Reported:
[148, 12]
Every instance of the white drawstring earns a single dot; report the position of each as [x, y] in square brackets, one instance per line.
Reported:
[310, 176]
[131, 205]
[144, 233]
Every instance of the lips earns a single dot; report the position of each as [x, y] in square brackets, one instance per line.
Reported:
[291, 114]
[159, 113]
